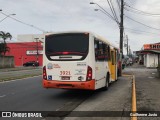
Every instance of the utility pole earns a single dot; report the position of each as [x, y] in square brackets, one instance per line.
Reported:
[121, 36]
[36, 48]
[121, 27]
[127, 43]
[130, 53]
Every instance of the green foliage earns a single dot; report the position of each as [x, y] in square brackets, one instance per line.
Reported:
[5, 36]
[3, 46]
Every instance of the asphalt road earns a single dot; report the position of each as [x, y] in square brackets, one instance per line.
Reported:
[29, 95]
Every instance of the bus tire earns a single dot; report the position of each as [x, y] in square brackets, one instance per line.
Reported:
[107, 83]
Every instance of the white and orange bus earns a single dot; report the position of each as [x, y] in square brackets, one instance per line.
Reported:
[78, 60]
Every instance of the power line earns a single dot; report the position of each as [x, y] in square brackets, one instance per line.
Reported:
[136, 12]
[118, 4]
[140, 31]
[142, 23]
[130, 1]
[112, 10]
[105, 12]
[24, 23]
[132, 9]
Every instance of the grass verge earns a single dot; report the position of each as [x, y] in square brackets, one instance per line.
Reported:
[18, 77]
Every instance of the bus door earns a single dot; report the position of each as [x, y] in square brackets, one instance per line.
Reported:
[113, 65]
[100, 63]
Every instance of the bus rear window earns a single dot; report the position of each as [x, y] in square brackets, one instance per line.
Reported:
[67, 46]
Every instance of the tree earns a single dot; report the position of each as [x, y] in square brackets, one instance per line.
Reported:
[5, 36]
[3, 47]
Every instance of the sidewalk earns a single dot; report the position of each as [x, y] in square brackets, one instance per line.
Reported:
[136, 68]
[147, 89]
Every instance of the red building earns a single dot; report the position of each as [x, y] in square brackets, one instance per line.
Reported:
[25, 51]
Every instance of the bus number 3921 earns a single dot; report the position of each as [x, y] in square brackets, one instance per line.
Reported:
[65, 73]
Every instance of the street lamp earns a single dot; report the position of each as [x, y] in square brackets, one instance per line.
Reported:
[98, 6]
[6, 16]
[92, 3]
[104, 12]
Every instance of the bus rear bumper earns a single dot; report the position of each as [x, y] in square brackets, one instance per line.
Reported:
[87, 85]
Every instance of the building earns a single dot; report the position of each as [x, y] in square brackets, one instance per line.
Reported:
[30, 37]
[151, 54]
[25, 51]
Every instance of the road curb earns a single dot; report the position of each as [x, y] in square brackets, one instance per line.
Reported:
[134, 106]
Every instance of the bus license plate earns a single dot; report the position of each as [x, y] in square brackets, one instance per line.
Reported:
[65, 78]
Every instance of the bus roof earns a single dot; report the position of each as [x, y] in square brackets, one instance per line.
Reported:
[64, 32]
[95, 35]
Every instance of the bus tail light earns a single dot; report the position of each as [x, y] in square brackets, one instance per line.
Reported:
[44, 73]
[89, 73]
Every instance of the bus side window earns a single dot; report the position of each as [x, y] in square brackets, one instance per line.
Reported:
[105, 52]
[96, 47]
[100, 48]
[102, 51]
[108, 52]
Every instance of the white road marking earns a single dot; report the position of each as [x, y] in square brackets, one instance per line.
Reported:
[151, 77]
[1, 96]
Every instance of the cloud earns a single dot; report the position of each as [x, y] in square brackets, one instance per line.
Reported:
[66, 15]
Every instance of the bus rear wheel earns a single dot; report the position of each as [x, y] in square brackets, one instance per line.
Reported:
[107, 83]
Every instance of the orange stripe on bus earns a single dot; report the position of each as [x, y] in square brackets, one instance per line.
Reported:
[88, 85]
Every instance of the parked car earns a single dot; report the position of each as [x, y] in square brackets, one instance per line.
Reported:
[31, 63]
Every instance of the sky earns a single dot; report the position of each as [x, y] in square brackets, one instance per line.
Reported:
[37, 16]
